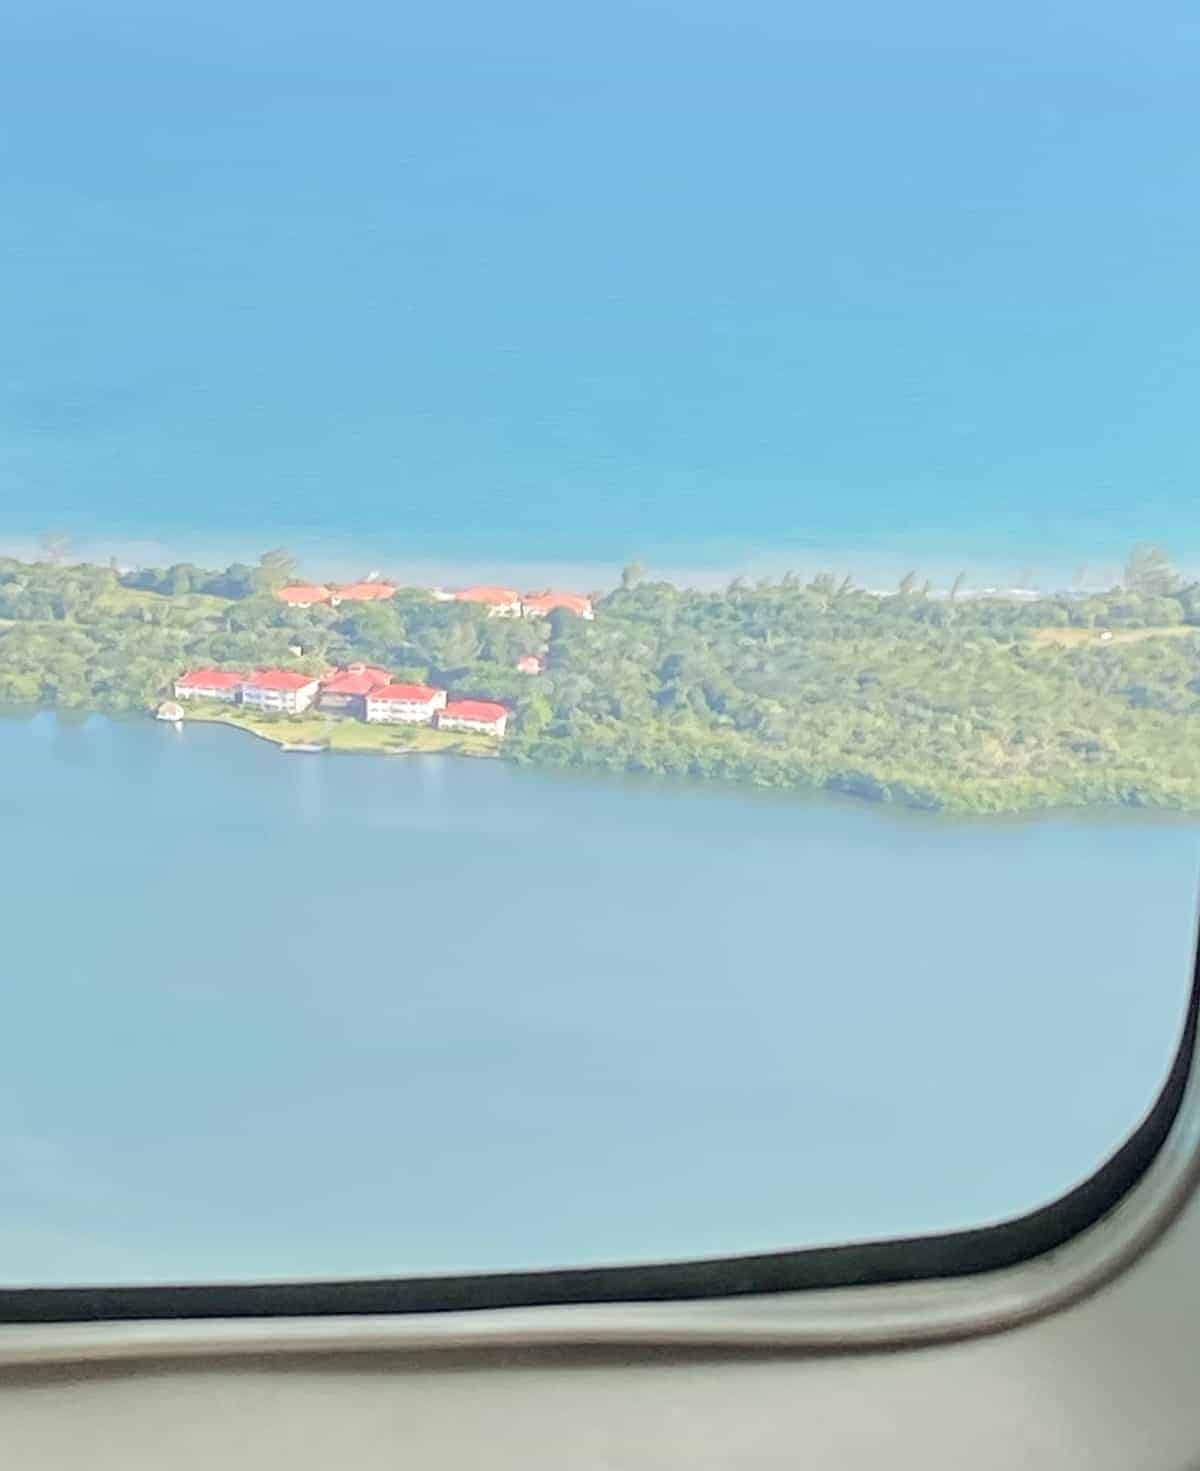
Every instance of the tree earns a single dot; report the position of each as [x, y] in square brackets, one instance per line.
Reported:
[1149, 571]
[237, 581]
[908, 582]
[275, 569]
[956, 586]
[632, 574]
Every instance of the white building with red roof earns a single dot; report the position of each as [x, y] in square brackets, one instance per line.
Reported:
[210, 684]
[500, 602]
[362, 592]
[406, 704]
[280, 690]
[303, 595]
[348, 688]
[483, 716]
[542, 604]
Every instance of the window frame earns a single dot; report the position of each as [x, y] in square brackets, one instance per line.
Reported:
[870, 1294]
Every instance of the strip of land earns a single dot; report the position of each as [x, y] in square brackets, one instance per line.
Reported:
[980, 704]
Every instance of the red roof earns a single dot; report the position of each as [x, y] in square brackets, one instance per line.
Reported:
[474, 710]
[355, 679]
[488, 595]
[530, 664]
[210, 679]
[547, 602]
[279, 679]
[417, 694]
[303, 593]
[364, 592]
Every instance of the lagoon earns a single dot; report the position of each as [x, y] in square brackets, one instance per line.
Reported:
[270, 1016]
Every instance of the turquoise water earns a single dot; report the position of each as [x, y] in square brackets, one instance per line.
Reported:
[266, 1015]
[472, 286]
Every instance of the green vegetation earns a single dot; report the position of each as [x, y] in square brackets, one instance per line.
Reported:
[967, 704]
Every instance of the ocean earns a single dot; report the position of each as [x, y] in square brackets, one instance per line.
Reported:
[267, 1015]
[530, 291]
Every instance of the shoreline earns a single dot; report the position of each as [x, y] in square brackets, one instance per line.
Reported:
[358, 739]
[682, 786]
[697, 567]
[436, 743]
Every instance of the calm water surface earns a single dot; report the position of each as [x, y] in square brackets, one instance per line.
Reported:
[268, 1015]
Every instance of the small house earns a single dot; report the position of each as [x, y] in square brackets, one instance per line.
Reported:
[209, 684]
[500, 602]
[542, 604]
[347, 689]
[303, 595]
[362, 592]
[279, 690]
[481, 716]
[405, 704]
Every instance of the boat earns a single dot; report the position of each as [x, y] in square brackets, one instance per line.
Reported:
[171, 712]
[301, 746]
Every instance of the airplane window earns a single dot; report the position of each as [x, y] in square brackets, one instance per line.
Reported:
[599, 626]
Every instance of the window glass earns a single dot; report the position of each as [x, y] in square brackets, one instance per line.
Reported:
[599, 625]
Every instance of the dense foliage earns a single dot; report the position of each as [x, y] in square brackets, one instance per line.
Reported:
[969, 704]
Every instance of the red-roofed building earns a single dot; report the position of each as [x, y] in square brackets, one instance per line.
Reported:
[362, 592]
[501, 602]
[541, 604]
[530, 664]
[408, 704]
[281, 690]
[347, 689]
[303, 595]
[474, 715]
[209, 684]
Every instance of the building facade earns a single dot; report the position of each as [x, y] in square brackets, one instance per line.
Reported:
[210, 684]
[347, 689]
[405, 704]
[480, 716]
[279, 691]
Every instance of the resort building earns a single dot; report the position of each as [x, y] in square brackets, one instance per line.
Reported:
[541, 604]
[348, 688]
[362, 592]
[209, 684]
[474, 715]
[280, 690]
[500, 602]
[303, 595]
[530, 664]
[408, 704]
